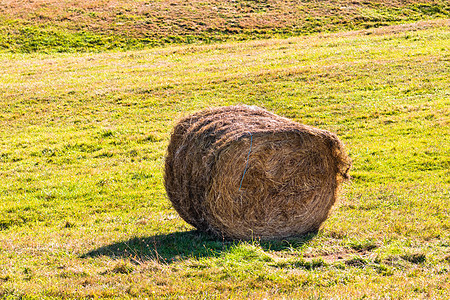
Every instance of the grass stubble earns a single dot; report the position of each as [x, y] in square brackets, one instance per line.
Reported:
[83, 136]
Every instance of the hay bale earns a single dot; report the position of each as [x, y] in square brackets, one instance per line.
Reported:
[241, 172]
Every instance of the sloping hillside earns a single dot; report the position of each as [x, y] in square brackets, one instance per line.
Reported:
[75, 25]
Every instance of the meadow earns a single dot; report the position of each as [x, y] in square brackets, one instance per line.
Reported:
[83, 210]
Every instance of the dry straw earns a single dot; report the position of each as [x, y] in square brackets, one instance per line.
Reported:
[241, 172]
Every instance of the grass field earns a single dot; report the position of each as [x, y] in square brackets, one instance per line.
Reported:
[83, 211]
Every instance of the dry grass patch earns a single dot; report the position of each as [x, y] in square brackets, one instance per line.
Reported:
[67, 26]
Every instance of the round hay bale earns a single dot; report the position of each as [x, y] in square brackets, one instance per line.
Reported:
[241, 172]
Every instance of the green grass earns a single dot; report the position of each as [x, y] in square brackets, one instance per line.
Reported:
[83, 211]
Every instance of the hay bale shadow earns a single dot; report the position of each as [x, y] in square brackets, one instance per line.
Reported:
[173, 247]
[166, 248]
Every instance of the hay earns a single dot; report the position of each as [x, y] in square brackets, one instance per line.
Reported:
[241, 172]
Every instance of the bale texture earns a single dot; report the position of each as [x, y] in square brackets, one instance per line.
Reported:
[241, 172]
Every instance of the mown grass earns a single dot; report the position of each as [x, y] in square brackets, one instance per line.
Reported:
[83, 211]
[80, 26]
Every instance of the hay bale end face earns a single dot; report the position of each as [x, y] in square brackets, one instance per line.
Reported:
[241, 172]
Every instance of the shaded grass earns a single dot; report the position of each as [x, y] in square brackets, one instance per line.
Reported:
[83, 212]
[166, 248]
